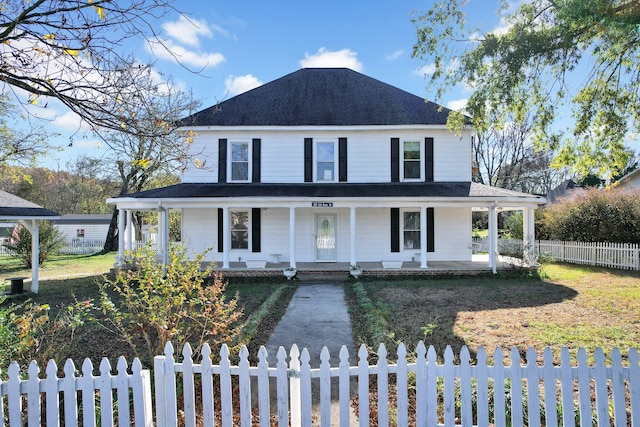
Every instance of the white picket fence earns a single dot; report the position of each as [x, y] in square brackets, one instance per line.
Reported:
[506, 392]
[73, 399]
[427, 393]
[614, 255]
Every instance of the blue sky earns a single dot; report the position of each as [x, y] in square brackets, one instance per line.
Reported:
[237, 45]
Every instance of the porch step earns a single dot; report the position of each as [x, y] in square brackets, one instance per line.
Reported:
[322, 276]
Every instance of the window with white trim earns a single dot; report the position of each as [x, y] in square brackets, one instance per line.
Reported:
[411, 161]
[239, 170]
[411, 229]
[326, 161]
[239, 229]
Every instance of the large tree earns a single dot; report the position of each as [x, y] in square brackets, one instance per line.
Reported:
[584, 54]
[75, 51]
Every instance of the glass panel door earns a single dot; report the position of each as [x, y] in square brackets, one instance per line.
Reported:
[326, 237]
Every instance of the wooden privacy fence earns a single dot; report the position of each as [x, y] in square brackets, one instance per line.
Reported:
[71, 400]
[422, 392]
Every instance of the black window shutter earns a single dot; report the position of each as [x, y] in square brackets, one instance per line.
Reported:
[308, 160]
[428, 159]
[395, 159]
[255, 161]
[222, 160]
[342, 159]
[255, 230]
[395, 230]
[430, 231]
[220, 230]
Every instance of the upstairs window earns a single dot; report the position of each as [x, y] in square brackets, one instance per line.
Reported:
[239, 158]
[239, 230]
[326, 161]
[411, 161]
[80, 232]
[411, 231]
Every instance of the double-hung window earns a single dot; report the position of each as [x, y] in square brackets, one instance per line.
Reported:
[326, 153]
[239, 229]
[412, 161]
[411, 230]
[239, 159]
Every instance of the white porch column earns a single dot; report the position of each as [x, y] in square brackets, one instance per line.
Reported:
[493, 237]
[165, 238]
[423, 237]
[160, 241]
[352, 234]
[129, 232]
[292, 237]
[226, 230]
[529, 235]
[121, 225]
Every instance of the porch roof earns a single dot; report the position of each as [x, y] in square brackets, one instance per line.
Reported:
[443, 191]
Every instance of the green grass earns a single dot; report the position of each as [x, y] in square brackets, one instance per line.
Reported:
[568, 305]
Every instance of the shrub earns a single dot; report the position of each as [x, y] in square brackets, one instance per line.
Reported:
[151, 304]
[596, 215]
[50, 242]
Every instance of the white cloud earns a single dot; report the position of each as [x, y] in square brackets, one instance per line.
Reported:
[187, 31]
[239, 84]
[457, 104]
[332, 59]
[171, 51]
[425, 70]
[395, 55]
[70, 121]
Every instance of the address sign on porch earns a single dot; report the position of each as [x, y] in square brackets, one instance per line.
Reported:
[322, 204]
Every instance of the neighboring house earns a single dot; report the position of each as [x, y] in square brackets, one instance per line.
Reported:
[630, 180]
[327, 165]
[566, 189]
[79, 228]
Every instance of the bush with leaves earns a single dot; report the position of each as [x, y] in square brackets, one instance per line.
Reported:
[184, 301]
[595, 215]
[50, 238]
[29, 331]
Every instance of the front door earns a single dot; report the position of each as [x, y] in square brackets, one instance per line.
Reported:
[326, 238]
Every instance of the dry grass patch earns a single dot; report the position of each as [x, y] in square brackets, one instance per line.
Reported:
[569, 306]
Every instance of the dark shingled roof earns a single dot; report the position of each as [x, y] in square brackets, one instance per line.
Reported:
[322, 97]
[14, 206]
[429, 189]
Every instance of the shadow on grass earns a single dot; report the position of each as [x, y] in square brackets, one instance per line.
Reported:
[409, 311]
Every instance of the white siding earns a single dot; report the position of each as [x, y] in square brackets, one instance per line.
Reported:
[203, 151]
[91, 231]
[199, 230]
[373, 235]
[368, 153]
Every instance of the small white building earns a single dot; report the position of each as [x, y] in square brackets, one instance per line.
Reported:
[81, 228]
[328, 166]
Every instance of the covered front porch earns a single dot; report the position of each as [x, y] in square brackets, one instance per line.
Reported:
[479, 264]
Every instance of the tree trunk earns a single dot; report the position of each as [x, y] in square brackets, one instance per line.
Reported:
[111, 242]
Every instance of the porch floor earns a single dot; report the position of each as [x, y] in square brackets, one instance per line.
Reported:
[478, 264]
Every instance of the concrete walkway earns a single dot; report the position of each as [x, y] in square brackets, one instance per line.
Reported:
[316, 317]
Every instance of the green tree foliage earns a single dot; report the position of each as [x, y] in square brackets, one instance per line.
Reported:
[530, 67]
[51, 240]
[150, 305]
[595, 215]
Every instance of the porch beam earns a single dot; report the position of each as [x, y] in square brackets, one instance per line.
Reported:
[493, 237]
[352, 234]
[292, 237]
[226, 241]
[423, 237]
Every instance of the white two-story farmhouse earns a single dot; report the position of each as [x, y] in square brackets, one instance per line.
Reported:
[327, 166]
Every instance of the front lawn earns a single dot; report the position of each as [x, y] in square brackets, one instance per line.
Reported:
[570, 306]
[67, 279]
